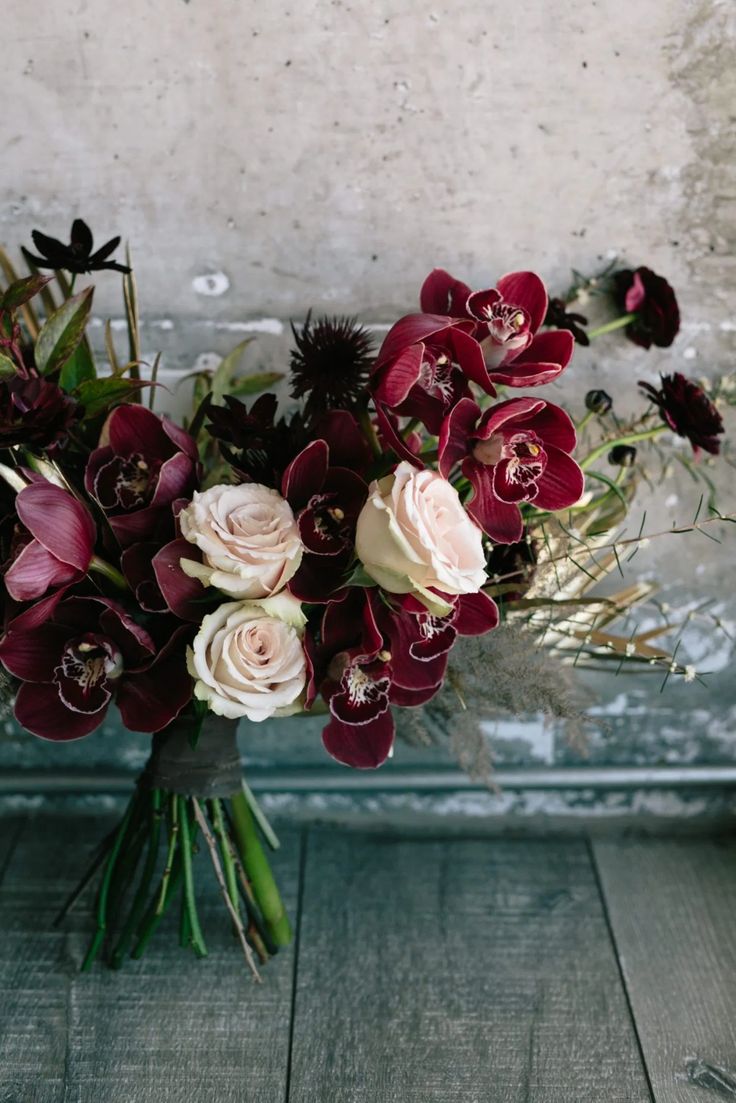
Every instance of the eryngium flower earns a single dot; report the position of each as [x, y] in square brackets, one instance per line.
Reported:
[33, 412]
[650, 297]
[77, 257]
[688, 411]
[330, 364]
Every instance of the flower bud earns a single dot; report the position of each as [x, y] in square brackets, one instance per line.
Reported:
[623, 455]
[598, 402]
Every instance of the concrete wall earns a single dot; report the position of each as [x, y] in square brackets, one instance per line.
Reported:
[265, 158]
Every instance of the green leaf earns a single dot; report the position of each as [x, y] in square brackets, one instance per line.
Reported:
[610, 484]
[254, 384]
[222, 380]
[360, 577]
[7, 367]
[22, 290]
[79, 368]
[62, 333]
[98, 395]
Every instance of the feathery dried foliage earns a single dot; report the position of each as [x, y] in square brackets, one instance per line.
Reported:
[501, 675]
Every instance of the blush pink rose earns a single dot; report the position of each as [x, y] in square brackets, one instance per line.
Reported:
[414, 536]
[248, 537]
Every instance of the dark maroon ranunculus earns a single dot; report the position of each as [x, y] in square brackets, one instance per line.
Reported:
[84, 653]
[58, 542]
[143, 465]
[326, 502]
[517, 451]
[506, 320]
[650, 297]
[688, 411]
[34, 412]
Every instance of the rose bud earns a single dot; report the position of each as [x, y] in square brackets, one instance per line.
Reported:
[248, 536]
[248, 658]
[623, 455]
[414, 536]
[598, 402]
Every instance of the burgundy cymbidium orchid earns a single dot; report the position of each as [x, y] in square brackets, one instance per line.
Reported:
[374, 655]
[517, 451]
[507, 319]
[326, 501]
[54, 549]
[84, 653]
[143, 465]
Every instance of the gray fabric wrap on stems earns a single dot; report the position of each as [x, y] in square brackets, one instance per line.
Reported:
[211, 769]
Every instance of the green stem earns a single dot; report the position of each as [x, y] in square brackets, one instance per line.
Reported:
[627, 438]
[258, 871]
[584, 420]
[99, 935]
[364, 419]
[228, 866]
[609, 327]
[186, 854]
[148, 870]
[173, 838]
[112, 573]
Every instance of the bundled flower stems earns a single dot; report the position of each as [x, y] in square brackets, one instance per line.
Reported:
[326, 557]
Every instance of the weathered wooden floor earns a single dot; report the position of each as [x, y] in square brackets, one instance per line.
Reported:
[432, 969]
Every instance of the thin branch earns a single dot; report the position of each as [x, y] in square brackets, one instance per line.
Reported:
[212, 846]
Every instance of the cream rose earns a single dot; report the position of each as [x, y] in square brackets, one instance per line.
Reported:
[413, 535]
[248, 536]
[248, 658]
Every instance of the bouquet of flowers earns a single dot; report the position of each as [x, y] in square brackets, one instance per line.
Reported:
[326, 557]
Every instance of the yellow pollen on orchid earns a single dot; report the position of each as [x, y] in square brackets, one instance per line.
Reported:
[384, 656]
[518, 320]
[337, 514]
[534, 449]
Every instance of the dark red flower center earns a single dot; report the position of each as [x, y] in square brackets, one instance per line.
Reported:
[126, 482]
[519, 459]
[363, 689]
[436, 375]
[89, 667]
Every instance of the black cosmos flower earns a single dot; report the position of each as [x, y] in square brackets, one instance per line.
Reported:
[330, 364]
[559, 317]
[77, 257]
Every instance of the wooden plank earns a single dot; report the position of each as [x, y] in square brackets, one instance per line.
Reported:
[672, 905]
[166, 1029]
[457, 971]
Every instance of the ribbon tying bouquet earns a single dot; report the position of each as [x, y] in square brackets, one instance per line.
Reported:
[325, 557]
